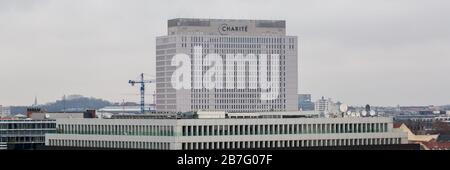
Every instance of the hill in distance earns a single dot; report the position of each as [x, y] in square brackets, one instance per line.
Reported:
[75, 103]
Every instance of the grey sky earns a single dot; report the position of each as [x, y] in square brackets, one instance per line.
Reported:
[382, 52]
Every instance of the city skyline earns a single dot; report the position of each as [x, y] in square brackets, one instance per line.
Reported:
[349, 50]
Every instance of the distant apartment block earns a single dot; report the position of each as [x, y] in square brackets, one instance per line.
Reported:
[305, 103]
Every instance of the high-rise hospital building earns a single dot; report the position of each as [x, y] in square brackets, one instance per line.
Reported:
[223, 36]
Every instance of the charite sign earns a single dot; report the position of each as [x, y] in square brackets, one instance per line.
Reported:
[225, 28]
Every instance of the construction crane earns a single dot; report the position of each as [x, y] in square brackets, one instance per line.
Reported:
[142, 82]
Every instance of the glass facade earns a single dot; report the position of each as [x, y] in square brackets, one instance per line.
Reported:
[110, 144]
[133, 130]
[20, 132]
[283, 129]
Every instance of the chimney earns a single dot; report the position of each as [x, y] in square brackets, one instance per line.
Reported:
[32, 110]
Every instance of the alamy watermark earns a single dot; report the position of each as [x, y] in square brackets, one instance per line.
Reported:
[232, 71]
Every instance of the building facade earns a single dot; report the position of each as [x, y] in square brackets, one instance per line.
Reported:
[224, 133]
[305, 103]
[325, 107]
[24, 134]
[220, 36]
[5, 111]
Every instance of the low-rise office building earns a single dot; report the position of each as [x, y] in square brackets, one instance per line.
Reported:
[225, 133]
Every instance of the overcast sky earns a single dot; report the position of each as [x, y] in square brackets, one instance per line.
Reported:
[382, 52]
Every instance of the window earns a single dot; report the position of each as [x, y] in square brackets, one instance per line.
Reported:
[194, 130]
[189, 131]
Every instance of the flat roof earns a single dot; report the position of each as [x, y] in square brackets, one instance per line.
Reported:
[207, 22]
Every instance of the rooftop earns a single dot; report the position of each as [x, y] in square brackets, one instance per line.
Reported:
[225, 26]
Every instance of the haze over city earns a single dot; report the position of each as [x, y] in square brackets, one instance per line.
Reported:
[358, 52]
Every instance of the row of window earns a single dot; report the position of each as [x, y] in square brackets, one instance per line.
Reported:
[224, 145]
[168, 85]
[218, 130]
[22, 139]
[235, 46]
[25, 132]
[167, 55]
[221, 95]
[274, 129]
[34, 125]
[140, 130]
[257, 51]
[165, 59]
[243, 106]
[288, 143]
[232, 108]
[227, 63]
[238, 39]
[254, 99]
[240, 91]
[204, 49]
[110, 144]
